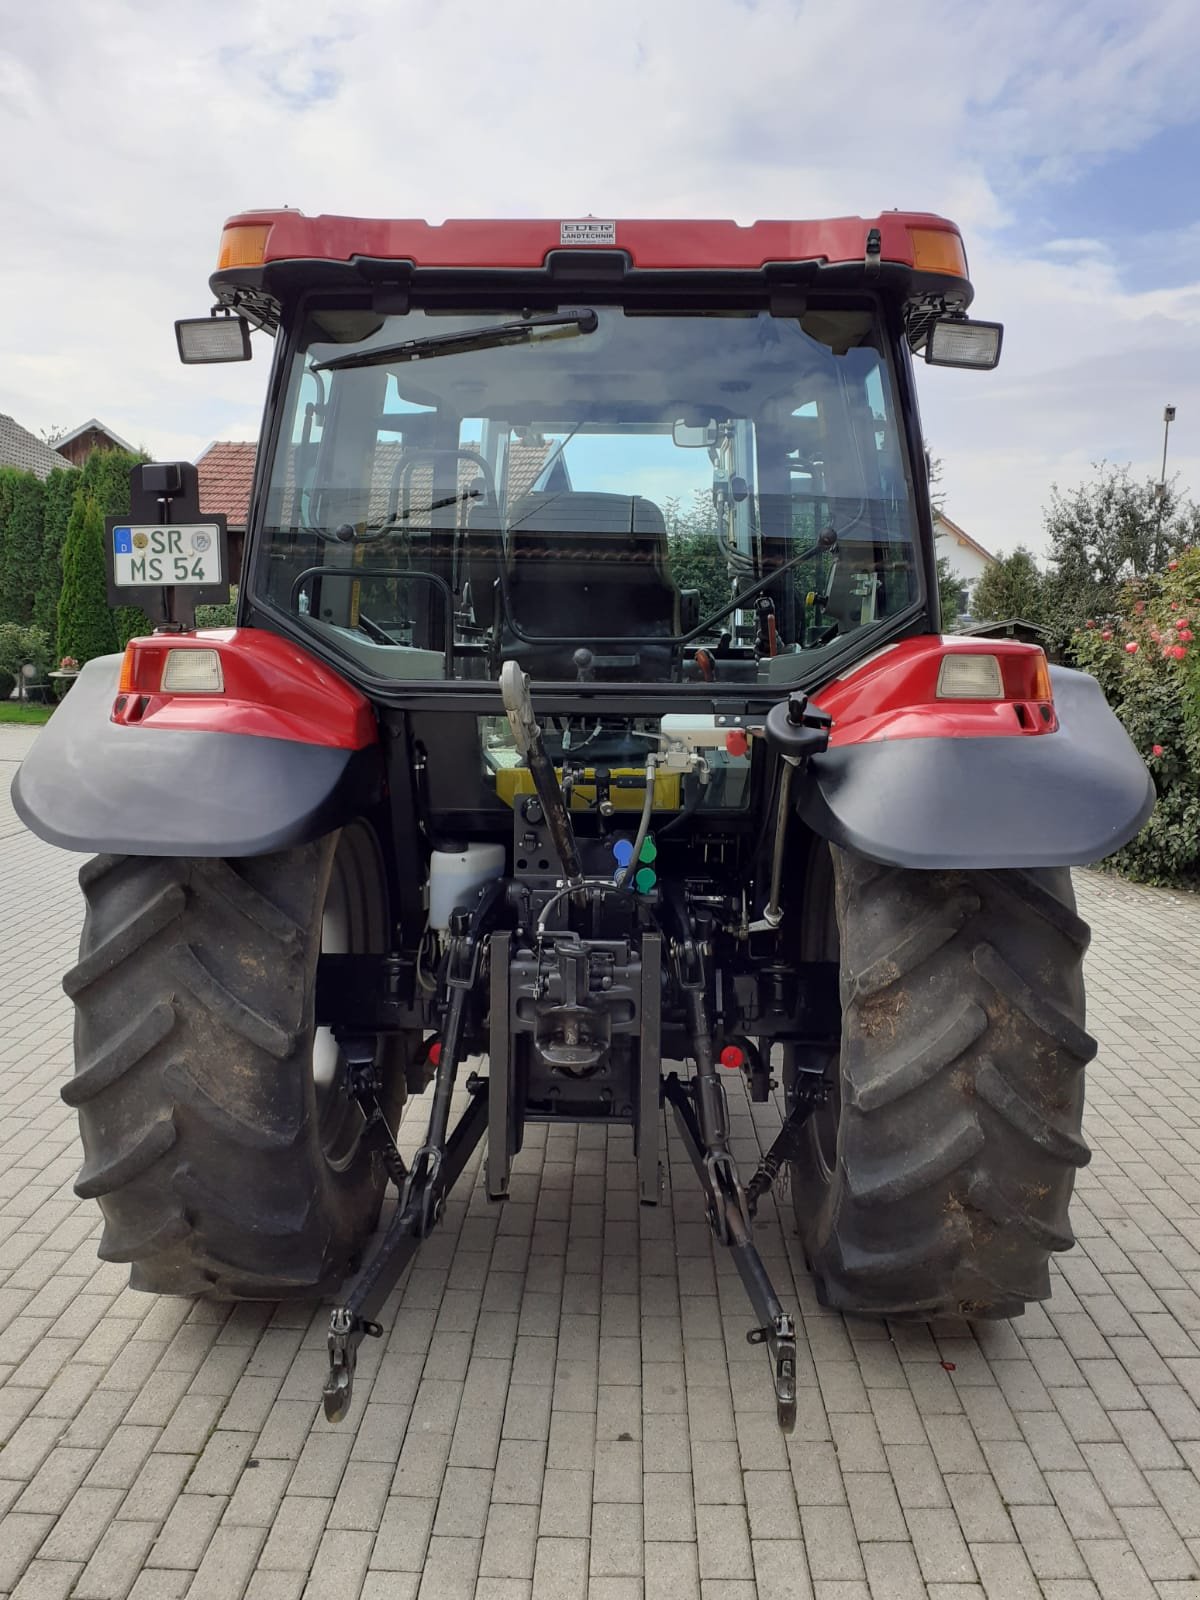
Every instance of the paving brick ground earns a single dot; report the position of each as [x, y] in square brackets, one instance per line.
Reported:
[565, 1404]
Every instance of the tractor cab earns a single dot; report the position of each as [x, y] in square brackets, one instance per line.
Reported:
[608, 464]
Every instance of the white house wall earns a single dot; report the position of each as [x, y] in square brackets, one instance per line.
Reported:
[965, 563]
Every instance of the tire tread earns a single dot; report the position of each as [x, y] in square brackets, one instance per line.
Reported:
[193, 1077]
[962, 1092]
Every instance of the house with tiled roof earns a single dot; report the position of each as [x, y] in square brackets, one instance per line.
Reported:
[75, 447]
[24, 450]
[226, 472]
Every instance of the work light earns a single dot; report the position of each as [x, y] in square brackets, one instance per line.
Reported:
[208, 339]
[959, 342]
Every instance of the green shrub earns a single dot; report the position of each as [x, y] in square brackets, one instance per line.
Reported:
[1146, 657]
[60, 493]
[85, 623]
[219, 616]
[22, 646]
[21, 547]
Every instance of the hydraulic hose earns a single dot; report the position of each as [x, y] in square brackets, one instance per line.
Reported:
[644, 825]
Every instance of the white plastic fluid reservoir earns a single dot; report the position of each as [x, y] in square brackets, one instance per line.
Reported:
[456, 877]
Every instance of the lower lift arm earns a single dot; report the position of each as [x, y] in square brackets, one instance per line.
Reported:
[436, 1166]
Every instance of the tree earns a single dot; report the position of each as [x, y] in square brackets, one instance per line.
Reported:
[693, 540]
[20, 546]
[937, 495]
[85, 623]
[1109, 531]
[950, 591]
[106, 479]
[1011, 587]
[60, 493]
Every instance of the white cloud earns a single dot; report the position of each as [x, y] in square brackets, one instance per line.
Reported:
[131, 130]
[1086, 370]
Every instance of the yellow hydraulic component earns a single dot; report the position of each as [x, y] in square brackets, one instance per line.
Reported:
[513, 781]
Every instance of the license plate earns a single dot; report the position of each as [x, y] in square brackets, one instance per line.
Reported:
[179, 554]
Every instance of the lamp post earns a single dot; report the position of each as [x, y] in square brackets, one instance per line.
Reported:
[1168, 419]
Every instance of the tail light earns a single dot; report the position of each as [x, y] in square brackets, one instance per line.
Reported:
[955, 686]
[154, 666]
[192, 672]
[970, 677]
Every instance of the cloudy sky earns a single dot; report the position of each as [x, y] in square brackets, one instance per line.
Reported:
[1063, 138]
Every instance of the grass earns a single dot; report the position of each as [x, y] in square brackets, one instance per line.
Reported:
[26, 716]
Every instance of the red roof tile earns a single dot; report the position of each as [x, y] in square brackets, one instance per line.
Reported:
[226, 472]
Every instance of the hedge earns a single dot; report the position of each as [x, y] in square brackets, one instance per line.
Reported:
[60, 496]
[1146, 657]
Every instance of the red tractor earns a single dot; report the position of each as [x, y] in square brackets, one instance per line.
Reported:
[587, 709]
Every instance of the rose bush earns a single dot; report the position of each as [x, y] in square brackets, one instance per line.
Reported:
[1147, 661]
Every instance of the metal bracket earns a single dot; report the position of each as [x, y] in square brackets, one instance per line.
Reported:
[502, 1136]
[645, 1129]
[365, 993]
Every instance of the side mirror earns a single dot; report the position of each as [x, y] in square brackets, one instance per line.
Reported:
[959, 342]
[690, 437]
[204, 340]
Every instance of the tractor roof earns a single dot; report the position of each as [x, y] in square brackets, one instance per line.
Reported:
[266, 257]
[912, 239]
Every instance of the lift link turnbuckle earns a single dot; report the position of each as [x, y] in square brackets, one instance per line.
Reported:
[786, 1145]
[363, 1081]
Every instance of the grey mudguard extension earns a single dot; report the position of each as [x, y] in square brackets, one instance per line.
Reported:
[91, 784]
[1047, 800]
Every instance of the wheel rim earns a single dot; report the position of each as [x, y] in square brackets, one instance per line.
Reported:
[826, 1119]
[351, 924]
[820, 942]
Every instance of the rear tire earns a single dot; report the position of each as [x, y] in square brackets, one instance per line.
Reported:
[225, 1160]
[938, 1176]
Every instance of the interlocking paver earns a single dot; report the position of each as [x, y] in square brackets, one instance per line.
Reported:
[565, 1405]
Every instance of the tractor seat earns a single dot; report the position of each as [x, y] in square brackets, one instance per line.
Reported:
[590, 566]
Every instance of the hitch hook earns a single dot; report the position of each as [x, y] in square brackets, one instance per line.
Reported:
[780, 1340]
[343, 1359]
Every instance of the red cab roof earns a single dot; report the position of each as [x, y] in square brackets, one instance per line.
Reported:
[918, 240]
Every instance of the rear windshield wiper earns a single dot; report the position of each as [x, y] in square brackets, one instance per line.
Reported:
[565, 324]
